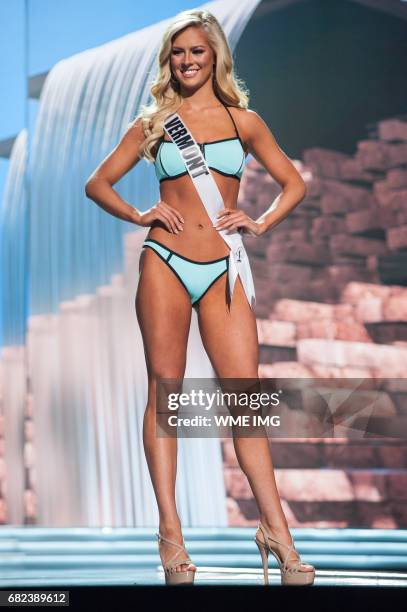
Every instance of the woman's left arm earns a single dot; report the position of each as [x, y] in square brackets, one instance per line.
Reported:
[264, 148]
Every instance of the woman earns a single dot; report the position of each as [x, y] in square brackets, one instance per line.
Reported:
[186, 260]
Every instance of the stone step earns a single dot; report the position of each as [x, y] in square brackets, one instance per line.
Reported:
[275, 333]
[371, 222]
[323, 514]
[316, 254]
[331, 453]
[359, 246]
[382, 360]
[359, 497]
[313, 485]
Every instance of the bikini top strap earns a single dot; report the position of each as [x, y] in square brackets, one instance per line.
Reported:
[230, 115]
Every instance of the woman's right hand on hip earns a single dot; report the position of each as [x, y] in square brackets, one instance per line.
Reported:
[168, 215]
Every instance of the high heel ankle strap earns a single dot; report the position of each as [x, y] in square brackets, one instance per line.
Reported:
[162, 539]
[290, 548]
[267, 537]
[170, 563]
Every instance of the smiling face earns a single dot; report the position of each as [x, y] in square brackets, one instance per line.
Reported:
[191, 57]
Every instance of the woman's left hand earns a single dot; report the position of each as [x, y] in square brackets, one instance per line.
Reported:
[229, 219]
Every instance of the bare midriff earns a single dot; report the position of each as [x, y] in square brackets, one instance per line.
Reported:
[198, 240]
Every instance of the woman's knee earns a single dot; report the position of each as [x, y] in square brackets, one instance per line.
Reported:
[166, 371]
[162, 382]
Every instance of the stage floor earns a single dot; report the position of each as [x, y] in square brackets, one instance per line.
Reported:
[204, 576]
[80, 557]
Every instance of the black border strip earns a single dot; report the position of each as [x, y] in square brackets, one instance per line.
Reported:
[182, 256]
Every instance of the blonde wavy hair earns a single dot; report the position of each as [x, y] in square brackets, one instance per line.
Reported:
[165, 92]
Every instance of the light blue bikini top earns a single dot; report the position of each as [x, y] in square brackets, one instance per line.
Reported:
[225, 156]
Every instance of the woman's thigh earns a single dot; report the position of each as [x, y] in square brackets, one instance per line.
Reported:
[229, 336]
[163, 310]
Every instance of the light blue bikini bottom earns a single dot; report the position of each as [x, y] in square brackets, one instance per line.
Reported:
[195, 276]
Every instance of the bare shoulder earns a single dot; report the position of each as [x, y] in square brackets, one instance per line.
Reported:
[124, 156]
[244, 115]
[248, 122]
[260, 142]
[135, 130]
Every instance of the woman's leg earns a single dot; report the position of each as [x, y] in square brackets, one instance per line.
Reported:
[163, 310]
[231, 341]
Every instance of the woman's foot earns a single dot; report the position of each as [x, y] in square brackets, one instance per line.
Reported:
[282, 534]
[169, 551]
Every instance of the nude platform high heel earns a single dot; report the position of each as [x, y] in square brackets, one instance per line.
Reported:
[171, 574]
[290, 575]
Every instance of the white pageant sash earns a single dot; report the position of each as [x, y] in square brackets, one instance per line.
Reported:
[211, 197]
